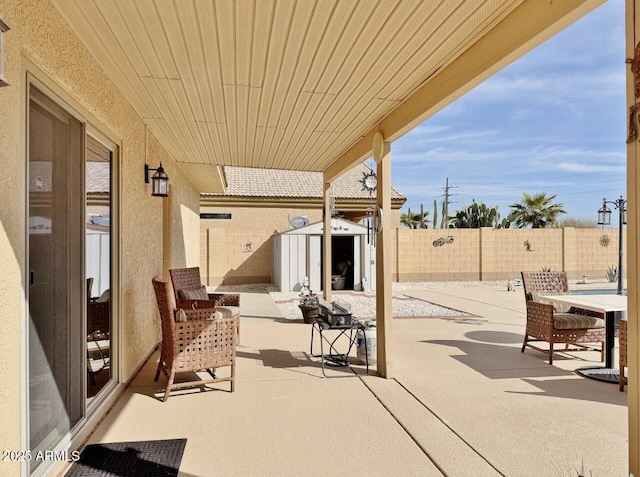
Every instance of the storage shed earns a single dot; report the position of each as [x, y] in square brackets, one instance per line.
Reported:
[298, 253]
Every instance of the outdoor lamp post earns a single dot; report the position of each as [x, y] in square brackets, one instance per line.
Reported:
[604, 218]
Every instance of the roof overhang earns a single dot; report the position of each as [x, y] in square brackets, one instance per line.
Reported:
[206, 178]
[301, 84]
[292, 202]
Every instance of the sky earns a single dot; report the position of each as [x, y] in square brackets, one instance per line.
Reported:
[554, 121]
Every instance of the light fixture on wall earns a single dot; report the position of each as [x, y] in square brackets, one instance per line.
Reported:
[159, 181]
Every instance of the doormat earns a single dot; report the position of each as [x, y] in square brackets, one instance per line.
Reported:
[143, 458]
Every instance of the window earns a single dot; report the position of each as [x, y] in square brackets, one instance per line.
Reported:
[215, 216]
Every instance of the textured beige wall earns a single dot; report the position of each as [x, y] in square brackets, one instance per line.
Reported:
[184, 214]
[39, 34]
[474, 254]
[416, 259]
[486, 254]
[225, 258]
[11, 246]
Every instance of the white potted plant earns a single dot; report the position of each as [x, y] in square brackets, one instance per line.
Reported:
[308, 303]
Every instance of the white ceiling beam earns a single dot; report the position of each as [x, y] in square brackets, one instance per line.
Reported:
[526, 27]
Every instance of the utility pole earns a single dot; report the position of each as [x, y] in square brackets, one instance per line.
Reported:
[446, 203]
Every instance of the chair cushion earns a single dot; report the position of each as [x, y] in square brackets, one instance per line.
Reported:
[557, 307]
[227, 311]
[197, 294]
[573, 321]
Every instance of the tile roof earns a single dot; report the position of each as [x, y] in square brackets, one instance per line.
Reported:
[255, 182]
[98, 176]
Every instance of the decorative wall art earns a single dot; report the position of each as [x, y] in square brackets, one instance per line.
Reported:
[605, 241]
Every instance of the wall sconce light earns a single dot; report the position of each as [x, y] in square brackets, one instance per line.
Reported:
[159, 179]
[3, 27]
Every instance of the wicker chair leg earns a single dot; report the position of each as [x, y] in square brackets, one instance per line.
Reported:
[524, 344]
[602, 348]
[169, 384]
[233, 377]
[621, 379]
[550, 353]
[158, 372]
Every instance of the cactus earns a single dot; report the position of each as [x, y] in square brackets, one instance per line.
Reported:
[479, 215]
[435, 214]
[612, 274]
[546, 269]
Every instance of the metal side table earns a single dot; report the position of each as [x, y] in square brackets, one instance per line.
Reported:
[332, 356]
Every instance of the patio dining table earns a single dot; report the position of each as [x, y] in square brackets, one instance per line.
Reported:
[612, 307]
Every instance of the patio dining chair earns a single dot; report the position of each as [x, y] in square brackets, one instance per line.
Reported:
[194, 340]
[622, 350]
[545, 323]
[190, 293]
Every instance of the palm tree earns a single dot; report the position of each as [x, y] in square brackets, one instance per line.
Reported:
[414, 221]
[537, 210]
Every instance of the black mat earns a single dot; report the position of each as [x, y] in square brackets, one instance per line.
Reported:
[143, 458]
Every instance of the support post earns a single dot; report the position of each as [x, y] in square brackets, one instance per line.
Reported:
[326, 241]
[632, 20]
[384, 313]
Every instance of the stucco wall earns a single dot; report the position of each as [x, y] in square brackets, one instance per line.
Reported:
[39, 34]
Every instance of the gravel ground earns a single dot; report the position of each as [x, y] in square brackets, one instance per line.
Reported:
[363, 304]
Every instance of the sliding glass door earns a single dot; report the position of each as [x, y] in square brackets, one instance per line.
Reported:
[98, 265]
[56, 289]
[70, 271]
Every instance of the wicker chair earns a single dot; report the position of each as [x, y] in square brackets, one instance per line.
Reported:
[622, 338]
[189, 279]
[98, 332]
[543, 323]
[203, 342]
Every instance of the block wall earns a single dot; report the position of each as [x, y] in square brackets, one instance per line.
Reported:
[470, 254]
[226, 257]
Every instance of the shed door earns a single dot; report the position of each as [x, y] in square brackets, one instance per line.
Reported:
[315, 262]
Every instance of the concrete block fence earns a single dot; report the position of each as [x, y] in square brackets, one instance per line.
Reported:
[459, 255]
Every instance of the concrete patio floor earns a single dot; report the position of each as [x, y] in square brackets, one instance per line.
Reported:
[464, 402]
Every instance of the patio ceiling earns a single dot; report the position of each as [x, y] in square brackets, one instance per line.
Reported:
[288, 84]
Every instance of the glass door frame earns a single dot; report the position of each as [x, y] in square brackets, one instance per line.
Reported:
[34, 77]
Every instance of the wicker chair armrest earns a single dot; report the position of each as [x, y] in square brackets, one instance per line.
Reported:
[189, 304]
[581, 311]
[228, 299]
[541, 312]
